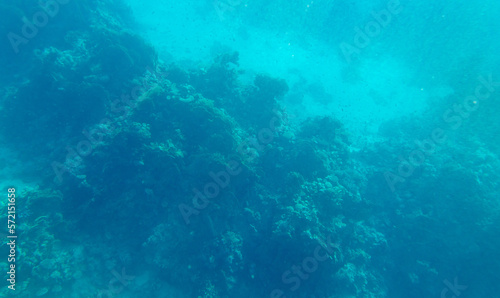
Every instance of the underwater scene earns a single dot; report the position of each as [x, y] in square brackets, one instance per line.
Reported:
[250, 148]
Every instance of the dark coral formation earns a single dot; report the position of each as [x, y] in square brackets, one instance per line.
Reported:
[197, 185]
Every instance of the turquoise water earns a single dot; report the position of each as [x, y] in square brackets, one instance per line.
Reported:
[235, 148]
